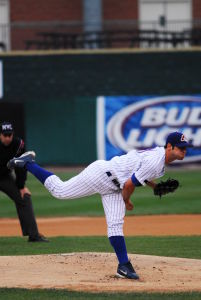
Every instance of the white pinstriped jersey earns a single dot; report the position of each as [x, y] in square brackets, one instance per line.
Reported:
[145, 164]
[99, 177]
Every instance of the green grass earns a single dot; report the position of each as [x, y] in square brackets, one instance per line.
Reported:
[172, 246]
[165, 246]
[23, 294]
[187, 199]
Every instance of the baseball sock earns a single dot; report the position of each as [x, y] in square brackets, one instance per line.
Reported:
[40, 173]
[119, 245]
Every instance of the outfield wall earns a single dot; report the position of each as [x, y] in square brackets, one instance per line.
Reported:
[59, 90]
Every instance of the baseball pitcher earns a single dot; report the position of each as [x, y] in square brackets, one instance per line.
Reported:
[115, 181]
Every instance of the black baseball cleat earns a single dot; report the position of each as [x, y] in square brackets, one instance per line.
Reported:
[126, 271]
[21, 160]
[38, 239]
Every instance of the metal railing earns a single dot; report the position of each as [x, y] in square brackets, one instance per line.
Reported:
[70, 35]
[114, 39]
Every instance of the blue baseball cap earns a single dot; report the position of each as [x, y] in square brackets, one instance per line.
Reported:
[178, 139]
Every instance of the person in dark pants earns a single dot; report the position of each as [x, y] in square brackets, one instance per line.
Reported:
[13, 183]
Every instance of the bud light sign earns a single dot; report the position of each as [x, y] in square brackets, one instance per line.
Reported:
[125, 123]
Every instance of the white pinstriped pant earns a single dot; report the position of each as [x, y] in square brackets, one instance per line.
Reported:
[90, 181]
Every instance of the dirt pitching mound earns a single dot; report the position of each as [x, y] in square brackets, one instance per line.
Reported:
[95, 272]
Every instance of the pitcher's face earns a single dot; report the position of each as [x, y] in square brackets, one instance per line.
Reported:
[179, 152]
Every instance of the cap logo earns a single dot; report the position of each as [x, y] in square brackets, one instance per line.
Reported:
[7, 127]
[183, 139]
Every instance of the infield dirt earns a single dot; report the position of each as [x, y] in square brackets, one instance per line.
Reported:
[95, 272]
[160, 225]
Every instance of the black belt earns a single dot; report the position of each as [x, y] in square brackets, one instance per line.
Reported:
[115, 181]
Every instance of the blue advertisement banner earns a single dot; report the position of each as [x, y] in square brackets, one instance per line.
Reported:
[138, 122]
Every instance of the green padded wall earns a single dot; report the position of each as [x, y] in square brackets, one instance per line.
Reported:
[62, 132]
[58, 77]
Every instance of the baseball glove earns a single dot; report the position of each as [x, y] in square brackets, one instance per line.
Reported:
[165, 187]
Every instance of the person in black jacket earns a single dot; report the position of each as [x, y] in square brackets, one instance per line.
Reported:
[13, 183]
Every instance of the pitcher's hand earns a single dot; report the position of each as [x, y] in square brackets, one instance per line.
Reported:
[25, 190]
[129, 205]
